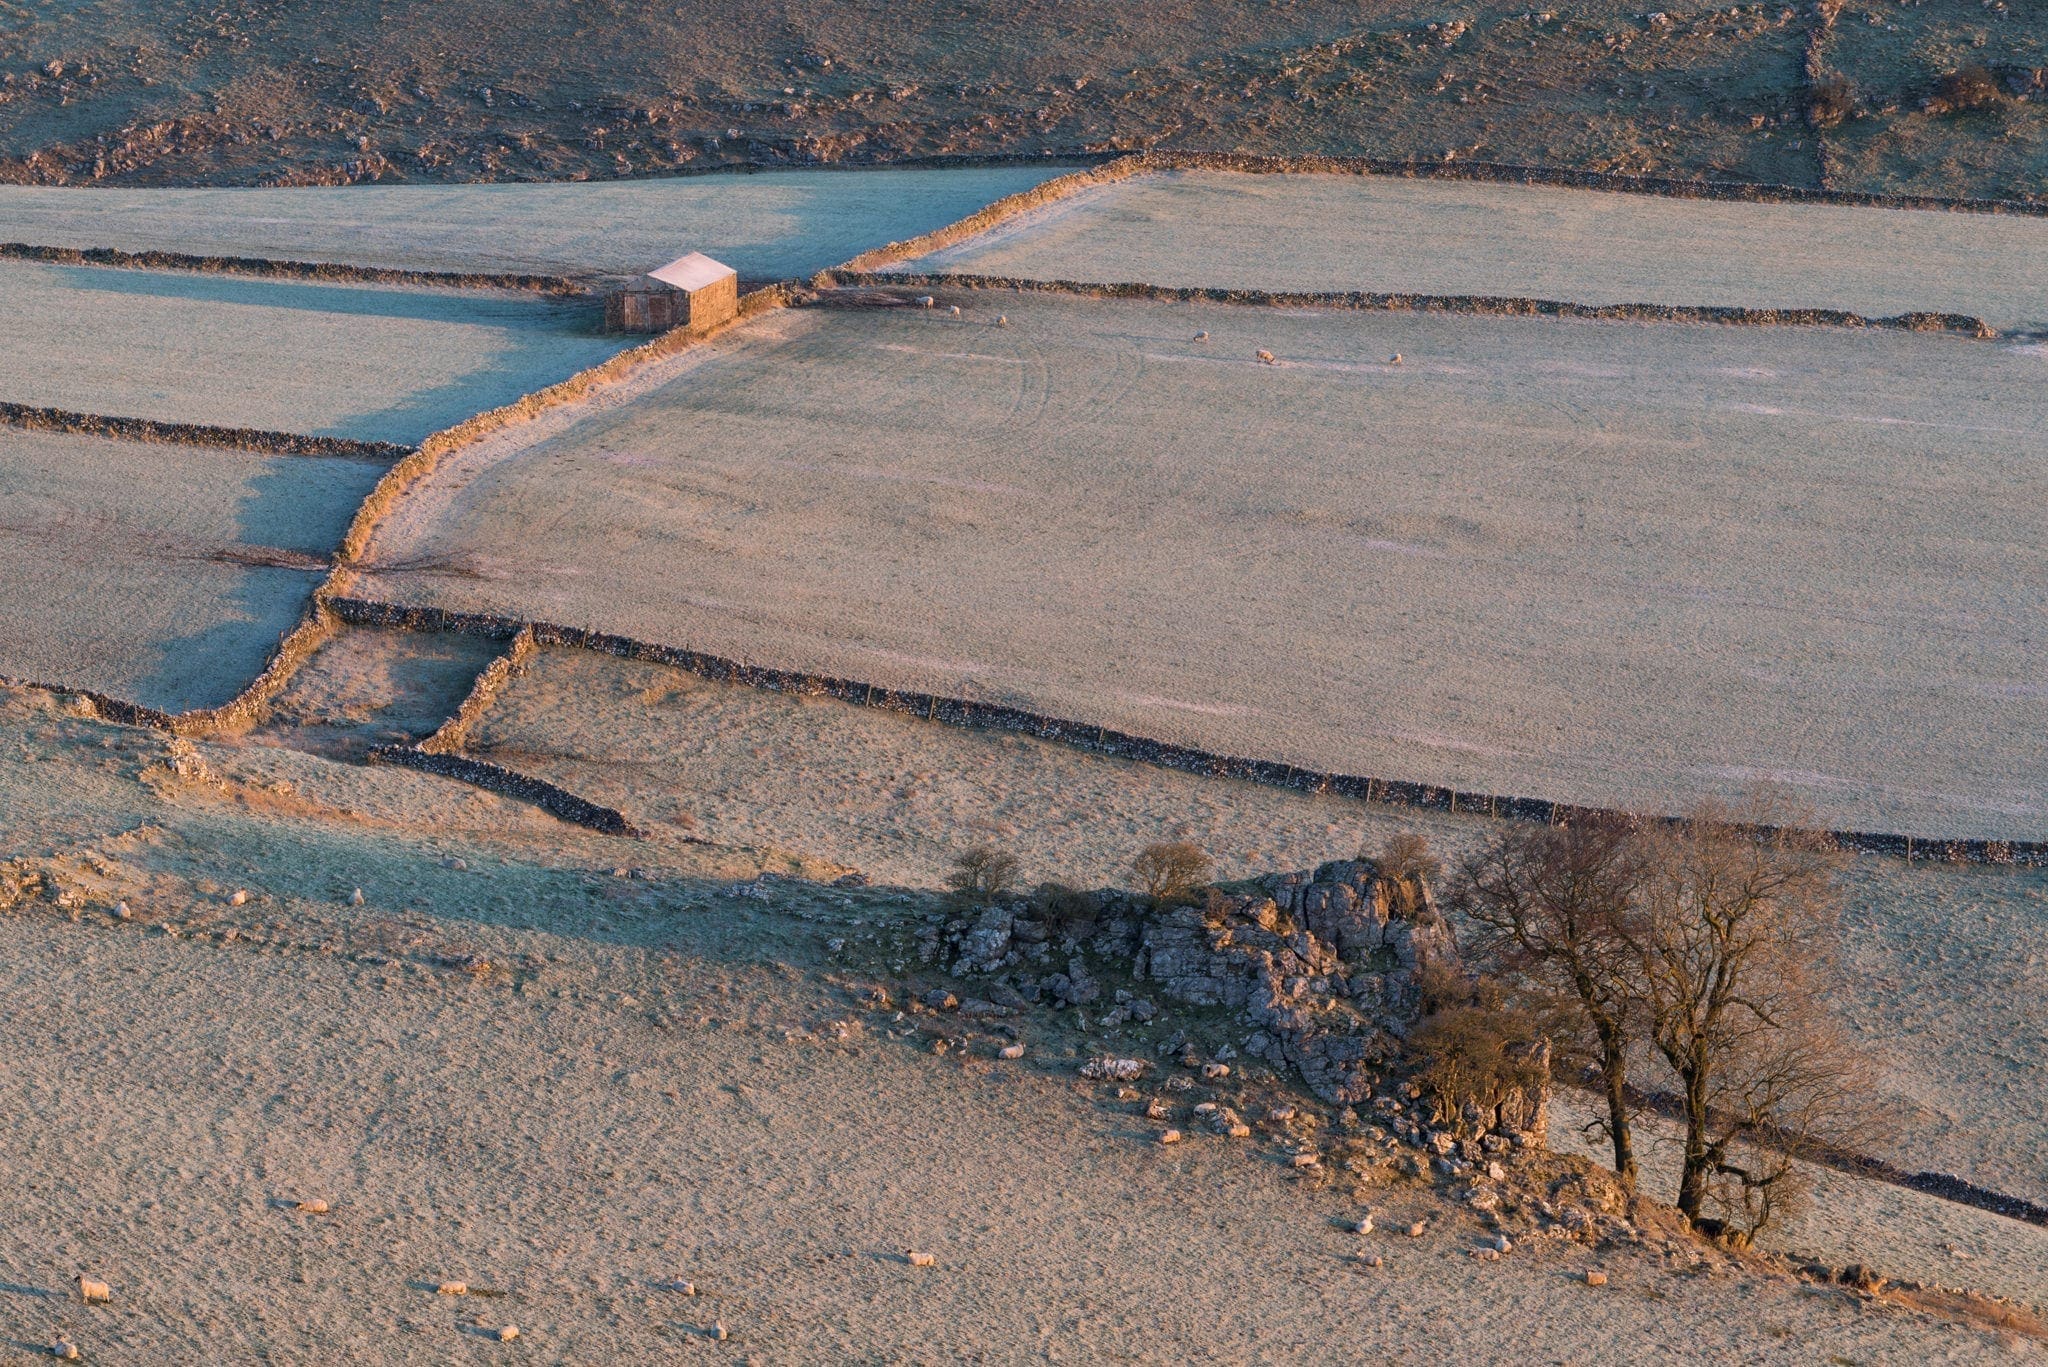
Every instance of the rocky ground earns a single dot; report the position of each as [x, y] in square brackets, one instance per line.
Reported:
[1809, 93]
[295, 1044]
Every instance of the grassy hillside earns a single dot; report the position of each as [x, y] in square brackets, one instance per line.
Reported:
[265, 92]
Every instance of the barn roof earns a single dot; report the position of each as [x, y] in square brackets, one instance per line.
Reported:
[692, 272]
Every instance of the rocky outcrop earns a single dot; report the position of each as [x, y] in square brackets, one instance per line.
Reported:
[1326, 971]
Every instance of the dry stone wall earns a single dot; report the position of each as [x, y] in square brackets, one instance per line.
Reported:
[315, 271]
[1504, 306]
[1123, 745]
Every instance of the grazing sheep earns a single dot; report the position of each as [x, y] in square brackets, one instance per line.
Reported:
[92, 1292]
[1266, 357]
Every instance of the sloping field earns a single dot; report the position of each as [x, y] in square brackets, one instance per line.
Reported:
[900, 798]
[679, 1084]
[160, 574]
[1318, 233]
[373, 363]
[1603, 563]
[774, 225]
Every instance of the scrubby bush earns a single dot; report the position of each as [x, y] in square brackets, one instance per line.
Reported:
[1063, 910]
[1832, 100]
[1477, 1059]
[1171, 871]
[1406, 861]
[983, 873]
[1970, 87]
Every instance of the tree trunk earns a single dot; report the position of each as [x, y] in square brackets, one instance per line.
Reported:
[1614, 1063]
[1692, 1181]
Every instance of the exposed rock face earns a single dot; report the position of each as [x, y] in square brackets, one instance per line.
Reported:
[1326, 968]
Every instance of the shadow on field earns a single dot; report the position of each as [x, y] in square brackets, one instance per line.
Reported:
[362, 301]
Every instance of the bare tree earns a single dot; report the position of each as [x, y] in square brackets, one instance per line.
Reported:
[1171, 871]
[983, 873]
[1737, 938]
[1557, 909]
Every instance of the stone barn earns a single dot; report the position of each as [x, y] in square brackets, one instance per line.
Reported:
[690, 291]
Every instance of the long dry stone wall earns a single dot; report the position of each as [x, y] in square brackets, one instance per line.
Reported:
[1142, 749]
[495, 778]
[30, 418]
[317, 271]
[1506, 306]
[1737, 191]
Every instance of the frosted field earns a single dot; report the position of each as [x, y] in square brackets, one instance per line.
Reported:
[773, 225]
[1606, 563]
[1342, 232]
[372, 363]
[900, 798]
[124, 567]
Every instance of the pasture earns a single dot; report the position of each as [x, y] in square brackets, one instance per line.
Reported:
[1327, 233]
[161, 574]
[770, 226]
[373, 363]
[1613, 564]
[900, 798]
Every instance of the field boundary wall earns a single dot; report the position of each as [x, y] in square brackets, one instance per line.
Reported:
[29, 418]
[316, 272]
[1508, 173]
[1505, 306]
[453, 734]
[423, 460]
[1008, 207]
[551, 798]
[966, 713]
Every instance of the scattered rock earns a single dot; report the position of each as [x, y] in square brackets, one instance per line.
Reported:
[1861, 1278]
[1107, 1069]
[1157, 1109]
[939, 999]
[1307, 1160]
[679, 1286]
[1280, 1115]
